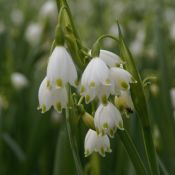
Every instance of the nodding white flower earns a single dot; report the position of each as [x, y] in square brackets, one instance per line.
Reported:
[111, 59]
[120, 78]
[107, 119]
[44, 96]
[19, 81]
[49, 10]
[172, 31]
[17, 17]
[33, 33]
[51, 97]
[172, 94]
[96, 143]
[95, 80]
[61, 69]
[124, 102]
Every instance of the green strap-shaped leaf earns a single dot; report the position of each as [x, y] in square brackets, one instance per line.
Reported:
[139, 100]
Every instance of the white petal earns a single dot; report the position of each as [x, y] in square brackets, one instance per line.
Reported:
[90, 142]
[61, 67]
[111, 59]
[120, 78]
[44, 96]
[59, 99]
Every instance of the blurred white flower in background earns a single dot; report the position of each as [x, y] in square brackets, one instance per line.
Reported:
[33, 33]
[18, 80]
[49, 11]
[137, 45]
[172, 94]
[169, 15]
[172, 31]
[17, 17]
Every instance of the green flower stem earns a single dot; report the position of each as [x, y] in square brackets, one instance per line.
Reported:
[61, 3]
[139, 100]
[71, 35]
[132, 151]
[73, 146]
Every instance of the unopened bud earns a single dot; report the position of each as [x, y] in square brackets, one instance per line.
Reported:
[88, 120]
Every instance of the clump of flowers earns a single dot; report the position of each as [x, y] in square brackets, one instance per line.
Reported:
[103, 81]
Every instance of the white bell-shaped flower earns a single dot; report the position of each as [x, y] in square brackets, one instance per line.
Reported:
[124, 102]
[110, 58]
[19, 80]
[96, 143]
[61, 69]
[120, 79]
[33, 33]
[48, 97]
[49, 10]
[107, 119]
[44, 96]
[59, 99]
[95, 76]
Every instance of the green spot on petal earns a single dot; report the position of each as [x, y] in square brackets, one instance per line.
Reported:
[97, 131]
[104, 100]
[107, 82]
[111, 133]
[124, 85]
[120, 125]
[102, 151]
[43, 108]
[58, 107]
[92, 84]
[59, 83]
[105, 125]
[117, 65]
[87, 98]
[82, 89]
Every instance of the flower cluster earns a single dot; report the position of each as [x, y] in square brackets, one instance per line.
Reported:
[103, 78]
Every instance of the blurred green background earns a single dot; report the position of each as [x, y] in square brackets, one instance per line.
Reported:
[35, 144]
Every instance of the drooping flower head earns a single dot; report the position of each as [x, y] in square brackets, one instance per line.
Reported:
[96, 143]
[108, 119]
[95, 80]
[124, 102]
[61, 69]
[44, 96]
[120, 79]
[51, 97]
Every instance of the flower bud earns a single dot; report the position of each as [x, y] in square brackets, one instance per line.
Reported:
[88, 120]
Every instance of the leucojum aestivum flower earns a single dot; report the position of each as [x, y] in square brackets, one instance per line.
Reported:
[98, 77]
[103, 79]
[103, 76]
